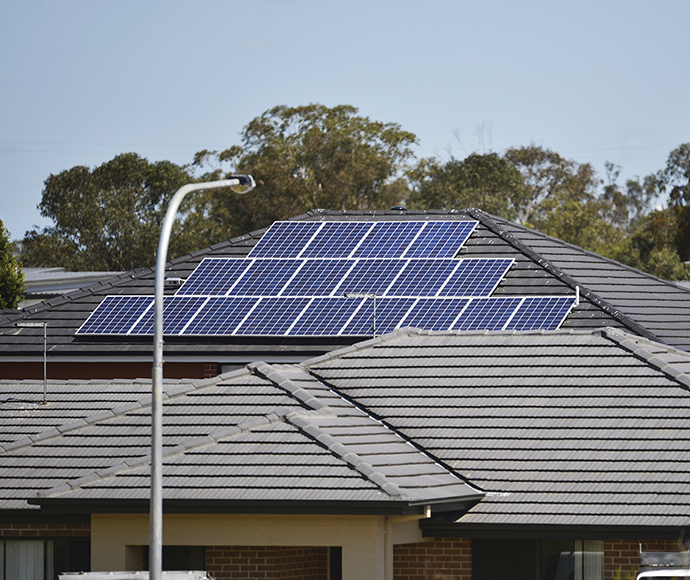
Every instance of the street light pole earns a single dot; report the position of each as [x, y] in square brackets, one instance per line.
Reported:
[239, 184]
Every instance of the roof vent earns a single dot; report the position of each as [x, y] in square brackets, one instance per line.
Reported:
[399, 208]
[174, 281]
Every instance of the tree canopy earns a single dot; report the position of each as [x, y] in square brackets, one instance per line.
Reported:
[314, 156]
[11, 273]
[108, 218]
[310, 157]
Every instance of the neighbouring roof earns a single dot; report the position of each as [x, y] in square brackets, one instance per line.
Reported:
[560, 429]
[556, 430]
[265, 435]
[612, 295]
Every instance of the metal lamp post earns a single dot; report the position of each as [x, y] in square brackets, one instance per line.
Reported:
[239, 184]
[45, 352]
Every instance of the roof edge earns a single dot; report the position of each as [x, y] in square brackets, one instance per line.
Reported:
[486, 220]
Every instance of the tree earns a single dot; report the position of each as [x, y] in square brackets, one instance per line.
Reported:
[676, 177]
[305, 158]
[108, 218]
[487, 182]
[11, 273]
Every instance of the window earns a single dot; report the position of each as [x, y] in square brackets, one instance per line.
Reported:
[538, 559]
[43, 559]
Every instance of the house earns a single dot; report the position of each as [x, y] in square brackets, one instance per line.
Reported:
[431, 453]
[416, 454]
[611, 294]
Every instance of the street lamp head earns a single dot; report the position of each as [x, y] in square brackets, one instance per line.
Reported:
[246, 184]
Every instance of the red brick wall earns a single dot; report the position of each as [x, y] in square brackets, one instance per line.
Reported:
[622, 557]
[440, 559]
[210, 370]
[51, 530]
[267, 562]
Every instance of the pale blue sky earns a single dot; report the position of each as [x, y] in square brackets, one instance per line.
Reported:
[81, 81]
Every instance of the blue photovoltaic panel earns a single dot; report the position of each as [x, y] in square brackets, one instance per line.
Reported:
[116, 314]
[389, 312]
[440, 239]
[434, 313]
[477, 277]
[371, 276]
[177, 311]
[541, 313]
[214, 276]
[422, 277]
[265, 277]
[317, 278]
[325, 317]
[220, 316]
[273, 316]
[336, 239]
[388, 240]
[284, 240]
[486, 314]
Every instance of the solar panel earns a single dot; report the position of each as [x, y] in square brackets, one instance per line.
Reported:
[317, 278]
[434, 313]
[543, 313]
[214, 276]
[442, 239]
[387, 239]
[293, 282]
[177, 312]
[336, 239]
[371, 276]
[486, 314]
[220, 316]
[477, 277]
[422, 277]
[325, 317]
[265, 277]
[285, 240]
[273, 316]
[116, 315]
[389, 312]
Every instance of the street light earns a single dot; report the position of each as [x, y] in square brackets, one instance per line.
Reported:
[239, 184]
[364, 295]
[45, 352]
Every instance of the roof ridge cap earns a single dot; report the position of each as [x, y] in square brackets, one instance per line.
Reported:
[345, 454]
[269, 372]
[629, 343]
[181, 448]
[550, 267]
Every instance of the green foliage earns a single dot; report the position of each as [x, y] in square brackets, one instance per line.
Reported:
[488, 182]
[308, 157]
[11, 273]
[652, 247]
[108, 218]
[676, 176]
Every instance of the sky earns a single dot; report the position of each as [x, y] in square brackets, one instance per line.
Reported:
[82, 81]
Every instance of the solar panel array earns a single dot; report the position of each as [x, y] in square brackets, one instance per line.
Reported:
[294, 282]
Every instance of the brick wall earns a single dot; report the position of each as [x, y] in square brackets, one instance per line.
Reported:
[51, 530]
[267, 562]
[622, 557]
[210, 370]
[440, 559]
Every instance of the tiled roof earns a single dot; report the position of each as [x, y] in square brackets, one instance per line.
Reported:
[261, 435]
[562, 429]
[612, 295]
